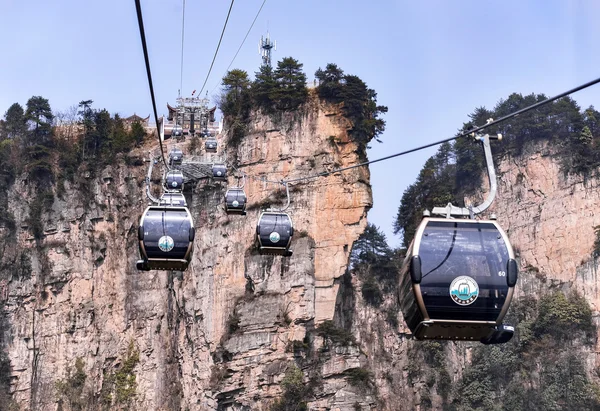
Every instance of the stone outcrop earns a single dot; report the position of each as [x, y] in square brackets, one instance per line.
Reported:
[214, 337]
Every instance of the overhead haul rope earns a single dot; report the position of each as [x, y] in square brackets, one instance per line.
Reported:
[461, 135]
[217, 50]
[138, 7]
[241, 45]
[182, 39]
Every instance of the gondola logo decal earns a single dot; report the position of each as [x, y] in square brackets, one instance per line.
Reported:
[274, 237]
[166, 243]
[235, 203]
[464, 290]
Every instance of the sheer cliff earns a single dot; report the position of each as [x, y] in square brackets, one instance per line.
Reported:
[85, 330]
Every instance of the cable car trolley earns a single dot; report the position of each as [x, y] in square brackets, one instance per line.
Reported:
[458, 277]
[174, 180]
[219, 171]
[166, 238]
[275, 230]
[235, 200]
[210, 145]
[175, 156]
[173, 199]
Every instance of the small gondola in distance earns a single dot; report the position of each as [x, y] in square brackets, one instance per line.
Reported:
[210, 145]
[177, 131]
[166, 238]
[175, 156]
[174, 180]
[173, 199]
[219, 171]
[457, 281]
[274, 232]
[235, 201]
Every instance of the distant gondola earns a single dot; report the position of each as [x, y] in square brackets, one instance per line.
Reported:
[166, 237]
[274, 232]
[219, 171]
[173, 199]
[235, 201]
[210, 145]
[174, 180]
[177, 131]
[175, 156]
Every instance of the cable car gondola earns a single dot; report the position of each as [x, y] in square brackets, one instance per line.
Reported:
[219, 171]
[177, 131]
[174, 180]
[166, 238]
[175, 156]
[274, 232]
[458, 277]
[173, 199]
[235, 201]
[210, 145]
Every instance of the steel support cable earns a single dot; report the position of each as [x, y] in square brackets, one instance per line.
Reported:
[182, 42]
[138, 7]
[285, 182]
[241, 45]
[461, 135]
[218, 46]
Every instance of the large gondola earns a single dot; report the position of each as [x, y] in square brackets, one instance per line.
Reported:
[166, 238]
[174, 180]
[457, 280]
[459, 274]
[235, 201]
[274, 232]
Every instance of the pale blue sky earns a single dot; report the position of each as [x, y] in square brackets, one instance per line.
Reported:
[431, 62]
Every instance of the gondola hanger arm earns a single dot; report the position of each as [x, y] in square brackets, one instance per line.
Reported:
[453, 211]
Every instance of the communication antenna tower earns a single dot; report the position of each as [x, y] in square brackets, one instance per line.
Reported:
[265, 45]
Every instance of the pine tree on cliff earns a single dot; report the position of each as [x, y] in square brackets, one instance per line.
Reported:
[262, 87]
[290, 89]
[16, 123]
[331, 83]
[235, 96]
[40, 115]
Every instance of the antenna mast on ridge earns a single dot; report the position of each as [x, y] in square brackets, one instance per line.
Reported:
[265, 45]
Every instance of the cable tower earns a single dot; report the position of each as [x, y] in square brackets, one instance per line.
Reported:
[265, 45]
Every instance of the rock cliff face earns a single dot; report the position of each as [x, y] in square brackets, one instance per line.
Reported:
[87, 331]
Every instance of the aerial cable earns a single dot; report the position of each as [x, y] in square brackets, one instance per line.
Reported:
[241, 45]
[182, 42]
[138, 7]
[461, 135]
[285, 182]
[218, 45]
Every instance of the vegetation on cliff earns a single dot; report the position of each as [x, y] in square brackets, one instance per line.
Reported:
[456, 169]
[283, 89]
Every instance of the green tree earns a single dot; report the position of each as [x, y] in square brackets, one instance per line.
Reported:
[121, 141]
[137, 133]
[39, 114]
[16, 122]
[331, 83]
[87, 121]
[290, 91]
[360, 106]
[263, 86]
